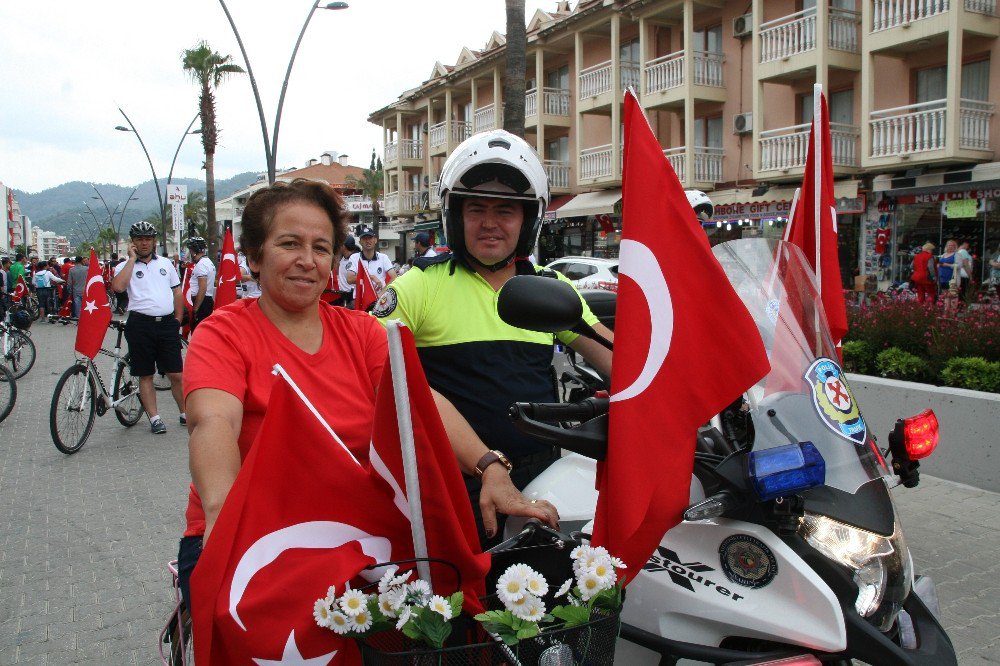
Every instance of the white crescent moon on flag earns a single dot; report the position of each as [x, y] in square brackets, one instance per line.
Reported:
[229, 257]
[96, 278]
[639, 263]
[314, 534]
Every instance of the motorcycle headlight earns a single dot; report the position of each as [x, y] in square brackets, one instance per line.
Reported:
[882, 567]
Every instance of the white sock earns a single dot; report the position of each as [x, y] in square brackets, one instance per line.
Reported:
[154, 419]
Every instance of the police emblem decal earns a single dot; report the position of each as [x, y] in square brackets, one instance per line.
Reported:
[385, 304]
[834, 401]
[747, 561]
[139, 274]
[163, 271]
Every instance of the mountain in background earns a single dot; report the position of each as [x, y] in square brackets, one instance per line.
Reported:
[56, 208]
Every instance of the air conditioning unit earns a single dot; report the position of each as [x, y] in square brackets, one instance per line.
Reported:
[743, 25]
[743, 123]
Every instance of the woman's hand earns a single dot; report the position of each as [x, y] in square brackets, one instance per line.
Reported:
[499, 494]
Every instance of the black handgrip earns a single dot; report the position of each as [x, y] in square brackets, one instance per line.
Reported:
[563, 411]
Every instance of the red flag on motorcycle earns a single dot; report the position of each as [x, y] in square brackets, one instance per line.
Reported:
[229, 273]
[447, 515]
[814, 215]
[365, 293]
[20, 290]
[297, 520]
[692, 349]
[95, 312]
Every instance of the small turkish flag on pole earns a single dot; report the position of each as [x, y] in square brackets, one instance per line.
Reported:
[20, 290]
[364, 291]
[813, 220]
[188, 305]
[95, 312]
[691, 342]
[229, 273]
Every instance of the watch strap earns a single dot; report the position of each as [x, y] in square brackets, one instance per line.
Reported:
[489, 458]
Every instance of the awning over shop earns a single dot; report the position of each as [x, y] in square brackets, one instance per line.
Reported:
[558, 202]
[777, 201]
[592, 203]
[427, 226]
[841, 189]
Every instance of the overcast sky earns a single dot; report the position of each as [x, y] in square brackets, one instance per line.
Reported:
[67, 67]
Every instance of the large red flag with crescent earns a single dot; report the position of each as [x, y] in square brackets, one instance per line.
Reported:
[692, 348]
[365, 293]
[20, 290]
[229, 273]
[814, 214]
[95, 312]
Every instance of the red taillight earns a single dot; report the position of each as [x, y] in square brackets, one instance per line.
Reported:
[920, 433]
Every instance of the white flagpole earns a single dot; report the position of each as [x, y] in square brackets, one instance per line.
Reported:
[397, 364]
[818, 162]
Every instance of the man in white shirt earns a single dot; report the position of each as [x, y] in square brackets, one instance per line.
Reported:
[423, 246]
[201, 289]
[346, 288]
[155, 306]
[248, 283]
[377, 265]
[963, 264]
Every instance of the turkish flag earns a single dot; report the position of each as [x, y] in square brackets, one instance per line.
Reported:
[95, 312]
[365, 293]
[692, 349]
[332, 291]
[188, 305]
[447, 514]
[20, 290]
[807, 220]
[66, 309]
[229, 273]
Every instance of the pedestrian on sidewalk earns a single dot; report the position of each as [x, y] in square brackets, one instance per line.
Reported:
[76, 282]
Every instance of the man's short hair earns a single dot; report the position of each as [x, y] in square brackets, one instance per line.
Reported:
[423, 238]
[19, 256]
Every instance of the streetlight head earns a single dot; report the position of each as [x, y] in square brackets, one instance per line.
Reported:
[122, 128]
[336, 5]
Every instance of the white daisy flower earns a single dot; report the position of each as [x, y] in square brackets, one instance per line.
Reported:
[619, 564]
[511, 586]
[387, 603]
[404, 617]
[604, 568]
[401, 578]
[440, 605]
[385, 582]
[397, 597]
[339, 623]
[331, 595]
[360, 622]
[536, 584]
[418, 592]
[321, 612]
[532, 610]
[353, 602]
[579, 551]
[565, 588]
[589, 585]
[520, 602]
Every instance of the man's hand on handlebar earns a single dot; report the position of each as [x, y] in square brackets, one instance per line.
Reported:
[499, 494]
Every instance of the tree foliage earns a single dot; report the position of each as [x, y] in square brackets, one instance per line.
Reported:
[371, 184]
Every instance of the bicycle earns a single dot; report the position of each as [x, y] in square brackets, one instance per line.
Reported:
[76, 399]
[8, 393]
[160, 381]
[176, 635]
[17, 348]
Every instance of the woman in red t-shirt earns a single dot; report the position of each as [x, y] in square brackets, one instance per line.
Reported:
[291, 232]
[924, 277]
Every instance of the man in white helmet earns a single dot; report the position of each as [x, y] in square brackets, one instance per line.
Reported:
[493, 192]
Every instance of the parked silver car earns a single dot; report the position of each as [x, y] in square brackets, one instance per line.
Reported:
[588, 272]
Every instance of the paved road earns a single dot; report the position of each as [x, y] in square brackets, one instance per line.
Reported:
[84, 539]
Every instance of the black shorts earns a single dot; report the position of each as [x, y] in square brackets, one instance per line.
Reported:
[153, 345]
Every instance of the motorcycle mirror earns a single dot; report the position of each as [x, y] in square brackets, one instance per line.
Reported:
[545, 304]
[539, 303]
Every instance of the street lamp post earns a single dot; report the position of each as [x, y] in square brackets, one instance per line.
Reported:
[271, 148]
[156, 181]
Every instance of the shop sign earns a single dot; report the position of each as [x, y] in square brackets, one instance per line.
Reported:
[959, 208]
[993, 193]
[752, 210]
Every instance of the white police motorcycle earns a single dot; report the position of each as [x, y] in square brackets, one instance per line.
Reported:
[791, 544]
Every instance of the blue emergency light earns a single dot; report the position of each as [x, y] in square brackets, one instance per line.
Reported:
[786, 470]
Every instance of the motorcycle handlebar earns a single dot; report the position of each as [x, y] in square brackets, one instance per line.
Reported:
[563, 411]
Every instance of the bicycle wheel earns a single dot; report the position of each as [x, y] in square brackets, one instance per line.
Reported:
[31, 305]
[160, 380]
[74, 404]
[20, 353]
[129, 411]
[8, 393]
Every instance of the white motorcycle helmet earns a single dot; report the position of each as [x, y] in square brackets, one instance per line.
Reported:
[702, 205]
[493, 164]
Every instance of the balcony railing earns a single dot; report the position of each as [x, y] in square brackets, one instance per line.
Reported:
[484, 119]
[922, 127]
[403, 200]
[787, 147]
[988, 7]
[555, 102]
[407, 149]
[667, 71]
[595, 162]
[558, 173]
[595, 80]
[631, 75]
[974, 124]
[435, 195]
[707, 163]
[796, 33]
[888, 14]
[460, 131]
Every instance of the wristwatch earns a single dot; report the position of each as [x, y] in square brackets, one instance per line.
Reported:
[489, 458]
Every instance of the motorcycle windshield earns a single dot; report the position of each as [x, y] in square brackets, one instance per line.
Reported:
[805, 396]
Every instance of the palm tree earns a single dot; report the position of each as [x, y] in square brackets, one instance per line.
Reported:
[208, 69]
[371, 184]
[513, 82]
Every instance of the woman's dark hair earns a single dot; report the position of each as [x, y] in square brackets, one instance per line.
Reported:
[264, 204]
